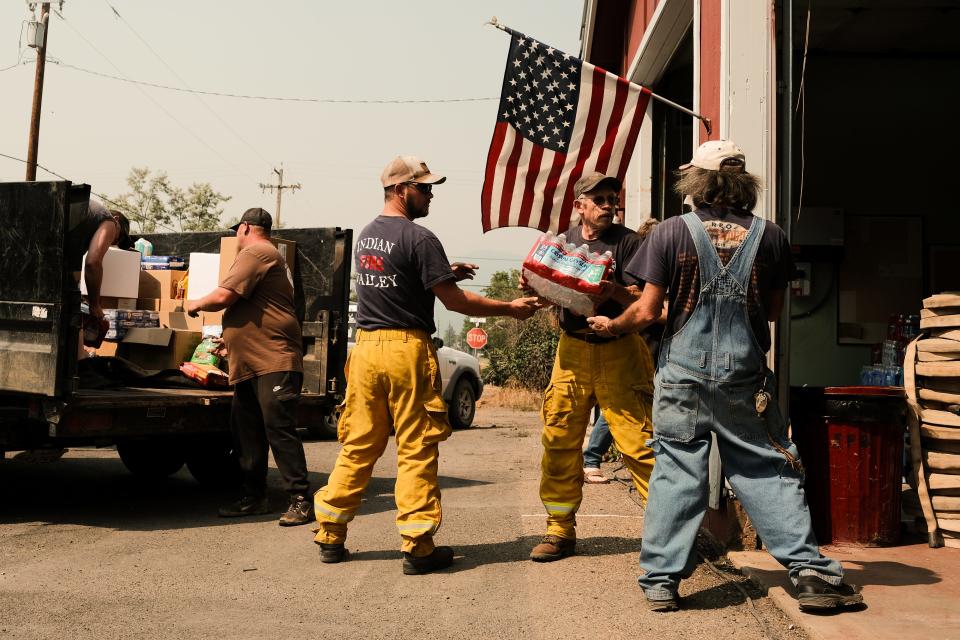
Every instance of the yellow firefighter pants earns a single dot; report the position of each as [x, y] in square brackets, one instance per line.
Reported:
[618, 376]
[393, 382]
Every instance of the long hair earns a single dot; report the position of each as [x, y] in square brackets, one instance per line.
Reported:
[731, 186]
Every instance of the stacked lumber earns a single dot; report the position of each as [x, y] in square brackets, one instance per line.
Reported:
[932, 381]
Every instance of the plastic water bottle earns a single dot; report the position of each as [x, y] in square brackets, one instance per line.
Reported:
[144, 246]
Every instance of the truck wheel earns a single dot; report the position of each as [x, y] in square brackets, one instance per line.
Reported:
[326, 429]
[463, 405]
[214, 464]
[151, 459]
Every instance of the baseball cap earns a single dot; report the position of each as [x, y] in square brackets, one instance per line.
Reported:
[591, 181]
[408, 169]
[711, 154]
[255, 216]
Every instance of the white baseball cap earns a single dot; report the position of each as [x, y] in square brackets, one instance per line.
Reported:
[711, 154]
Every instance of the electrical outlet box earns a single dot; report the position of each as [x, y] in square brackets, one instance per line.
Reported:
[36, 33]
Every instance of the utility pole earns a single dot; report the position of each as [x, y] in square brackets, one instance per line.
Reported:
[279, 187]
[41, 44]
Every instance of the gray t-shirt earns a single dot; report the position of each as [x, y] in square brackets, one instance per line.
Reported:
[397, 263]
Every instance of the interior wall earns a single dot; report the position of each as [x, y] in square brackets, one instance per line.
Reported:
[877, 141]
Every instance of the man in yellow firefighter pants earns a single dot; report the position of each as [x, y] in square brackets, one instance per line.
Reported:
[393, 379]
[616, 373]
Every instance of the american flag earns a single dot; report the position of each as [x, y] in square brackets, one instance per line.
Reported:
[559, 118]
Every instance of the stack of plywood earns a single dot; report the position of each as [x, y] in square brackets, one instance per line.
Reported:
[932, 380]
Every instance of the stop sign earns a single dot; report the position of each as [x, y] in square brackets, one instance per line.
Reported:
[477, 338]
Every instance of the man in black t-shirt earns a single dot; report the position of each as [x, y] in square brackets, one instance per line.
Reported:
[96, 231]
[616, 373]
[393, 377]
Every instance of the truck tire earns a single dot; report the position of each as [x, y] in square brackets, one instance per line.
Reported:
[214, 464]
[326, 429]
[463, 404]
[151, 459]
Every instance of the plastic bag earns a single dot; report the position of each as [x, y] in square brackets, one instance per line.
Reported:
[565, 274]
[204, 353]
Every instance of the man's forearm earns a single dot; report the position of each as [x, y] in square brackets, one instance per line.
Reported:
[213, 301]
[633, 319]
[471, 304]
[93, 278]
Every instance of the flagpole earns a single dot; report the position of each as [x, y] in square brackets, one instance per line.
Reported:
[705, 120]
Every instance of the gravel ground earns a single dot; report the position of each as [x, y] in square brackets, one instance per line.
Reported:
[87, 551]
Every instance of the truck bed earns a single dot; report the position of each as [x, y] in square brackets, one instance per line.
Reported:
[121, 397]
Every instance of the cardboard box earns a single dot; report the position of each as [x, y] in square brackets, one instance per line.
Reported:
[126, 304]
[162, 263]
[180, 320]
[159, 284]
[162, 304]
[158, 349]
[204, 275]
[108, 349]
[229, 251]
[121, 274]
[212, 317]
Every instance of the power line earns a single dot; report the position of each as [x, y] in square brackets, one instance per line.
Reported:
[151, 98]
[223, 94]
[184, 82]
[99, 195]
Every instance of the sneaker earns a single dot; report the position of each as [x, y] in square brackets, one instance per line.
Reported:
[300, 511]
[247, 506]
[333, 553]
[664, 605]
[439, 558]
[816, 594]
[553, 548]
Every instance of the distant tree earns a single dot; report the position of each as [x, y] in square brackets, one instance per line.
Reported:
[519, 353]
[154, 204]
[451, 338]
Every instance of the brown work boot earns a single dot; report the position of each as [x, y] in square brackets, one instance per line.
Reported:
[300, 511]
[553, 548]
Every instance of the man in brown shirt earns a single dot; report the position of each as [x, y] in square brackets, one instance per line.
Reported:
[263, 338]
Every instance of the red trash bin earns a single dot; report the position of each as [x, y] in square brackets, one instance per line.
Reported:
[851, 443]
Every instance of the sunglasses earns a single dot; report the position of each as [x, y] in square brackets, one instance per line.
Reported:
[422, 188]
[600, 201]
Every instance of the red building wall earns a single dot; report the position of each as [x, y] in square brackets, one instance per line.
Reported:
[710, 66]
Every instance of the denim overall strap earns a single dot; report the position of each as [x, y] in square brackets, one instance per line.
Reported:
[708, 260]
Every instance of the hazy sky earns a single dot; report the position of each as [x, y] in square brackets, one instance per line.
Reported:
[95, 129]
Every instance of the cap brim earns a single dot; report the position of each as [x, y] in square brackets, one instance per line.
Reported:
[236, 226]
[430, 179]
[684, 167]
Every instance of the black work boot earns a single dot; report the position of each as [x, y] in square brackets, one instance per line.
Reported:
[247, 506]
[333, 553]
[553, 548]
[439, 558]
[816, 594]
[300, 511]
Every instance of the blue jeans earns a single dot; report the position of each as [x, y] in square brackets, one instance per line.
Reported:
[769, 489]
[598, 444]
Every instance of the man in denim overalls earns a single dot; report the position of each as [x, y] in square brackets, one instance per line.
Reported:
[726, 271]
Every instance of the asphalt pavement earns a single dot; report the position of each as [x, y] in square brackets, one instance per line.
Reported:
[88, 551]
